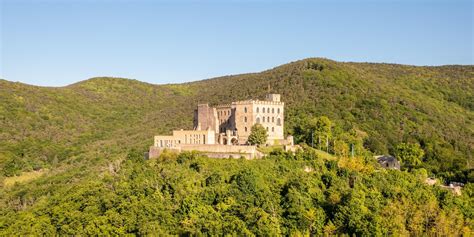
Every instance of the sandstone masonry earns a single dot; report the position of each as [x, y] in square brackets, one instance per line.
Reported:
[228, 125]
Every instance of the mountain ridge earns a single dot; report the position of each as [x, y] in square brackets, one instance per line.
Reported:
[392, 102]
[249, 73]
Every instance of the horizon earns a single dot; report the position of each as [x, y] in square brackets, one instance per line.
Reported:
[49, 43]
[216, 77]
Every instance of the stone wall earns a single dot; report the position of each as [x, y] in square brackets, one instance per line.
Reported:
[181, 137]
[205, 117]
[215, 151]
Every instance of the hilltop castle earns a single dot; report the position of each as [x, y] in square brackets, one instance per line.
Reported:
[225, 129]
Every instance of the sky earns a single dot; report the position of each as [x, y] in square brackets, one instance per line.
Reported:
[60, 42]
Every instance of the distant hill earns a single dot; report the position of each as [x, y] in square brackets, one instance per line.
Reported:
[43, 127]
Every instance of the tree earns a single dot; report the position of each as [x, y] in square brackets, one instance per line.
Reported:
[317, 131]
[410, 154]
[258, 135]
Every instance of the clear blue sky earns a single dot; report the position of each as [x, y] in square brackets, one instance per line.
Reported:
[55, 43]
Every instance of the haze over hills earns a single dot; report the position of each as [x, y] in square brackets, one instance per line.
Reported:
[78, 132]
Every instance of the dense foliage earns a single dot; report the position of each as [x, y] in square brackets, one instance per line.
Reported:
[409, 154]
[78, 139]
[281, 194]
[258, 135]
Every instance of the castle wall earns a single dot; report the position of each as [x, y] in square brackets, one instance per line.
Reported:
[270, 114]
[205, 118]
[244, 119]
[215, 151]
[225, 117]
[183, 137]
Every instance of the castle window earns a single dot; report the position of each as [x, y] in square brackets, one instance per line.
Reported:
[263, 110]
[278, 122]
[258, 120]
[245, 119]
[267, 129]
[278, 110]
[264, 119]
[245, 129]
[273, 119]
[273, 129]
[245, 109]
[257, 109]
[268, 119]
[273, 110]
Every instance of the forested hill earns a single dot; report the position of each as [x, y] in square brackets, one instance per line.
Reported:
[433, 106]
[71, 157]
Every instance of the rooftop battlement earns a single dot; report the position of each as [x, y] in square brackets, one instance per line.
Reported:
[223, 106]
[258, 102]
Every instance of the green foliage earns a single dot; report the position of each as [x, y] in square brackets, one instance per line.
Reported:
[82, 134]
[258, 135]
[44, 127]
[410, 154]
[272, 196]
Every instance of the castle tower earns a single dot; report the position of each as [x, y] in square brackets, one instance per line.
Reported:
[273, 97]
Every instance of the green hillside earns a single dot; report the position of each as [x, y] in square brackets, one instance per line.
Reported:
[433, 106]
[77, 136]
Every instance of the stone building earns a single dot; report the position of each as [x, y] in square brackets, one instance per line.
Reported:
[191, 137]
[388, 162]
[233, 122]
[223, 130]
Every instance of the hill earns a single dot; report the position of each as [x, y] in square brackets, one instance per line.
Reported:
[77, 138]
[433, 106]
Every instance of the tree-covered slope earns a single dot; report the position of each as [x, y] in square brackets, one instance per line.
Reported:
[86, 141]
[282, 194]
[433, 106]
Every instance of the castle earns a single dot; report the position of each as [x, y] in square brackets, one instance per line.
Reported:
[224, 129]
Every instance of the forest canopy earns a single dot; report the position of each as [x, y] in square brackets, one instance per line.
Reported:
[71, 158]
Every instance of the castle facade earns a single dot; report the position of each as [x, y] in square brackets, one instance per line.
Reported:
[227, 127]
[233, 122]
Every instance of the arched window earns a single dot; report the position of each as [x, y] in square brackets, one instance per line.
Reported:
[245, 129]
[273, 129]
[273, 110]
[258, 120]
[263, 110]
[264, 119]
[278, 122]
[268, 119]
[245, 119]
[278, 110]
[273, 119]
[267, 129]
[257, 109]
[245, 109]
